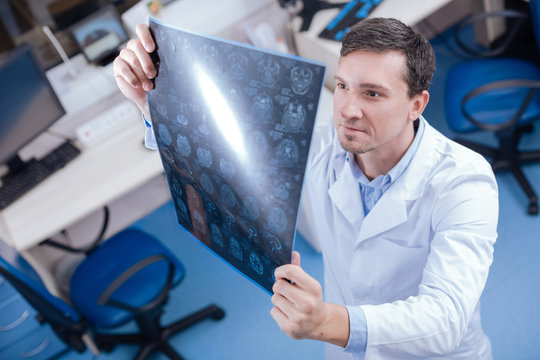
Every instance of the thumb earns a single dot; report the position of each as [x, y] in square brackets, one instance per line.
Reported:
[296, 258]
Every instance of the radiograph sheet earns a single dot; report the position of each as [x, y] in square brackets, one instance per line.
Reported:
[233, 125]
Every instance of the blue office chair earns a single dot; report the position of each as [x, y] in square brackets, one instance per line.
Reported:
[126, 278]
[498, 95]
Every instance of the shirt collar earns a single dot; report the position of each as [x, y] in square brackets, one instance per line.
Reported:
[396, 171]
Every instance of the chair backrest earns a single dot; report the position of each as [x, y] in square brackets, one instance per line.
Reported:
[15, 269]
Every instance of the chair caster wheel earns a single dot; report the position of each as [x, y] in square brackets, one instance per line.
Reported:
[533, 208]
[218, 314]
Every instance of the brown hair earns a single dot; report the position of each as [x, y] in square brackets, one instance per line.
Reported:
[384, 34]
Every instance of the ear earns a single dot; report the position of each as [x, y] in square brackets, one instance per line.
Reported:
[418, 104]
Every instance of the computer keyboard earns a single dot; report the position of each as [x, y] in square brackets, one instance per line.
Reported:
[35, 172]
[351, 13]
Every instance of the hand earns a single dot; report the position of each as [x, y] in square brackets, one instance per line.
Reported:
[300, 311]
[133, 68]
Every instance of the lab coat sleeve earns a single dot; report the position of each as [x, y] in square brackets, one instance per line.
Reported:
[433, 322]
[149, 136]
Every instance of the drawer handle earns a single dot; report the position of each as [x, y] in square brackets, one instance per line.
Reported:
[37, 350]
[17, 322]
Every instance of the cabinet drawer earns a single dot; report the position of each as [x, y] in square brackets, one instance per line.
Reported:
[6, 290]
[38, 345]
[16, 319]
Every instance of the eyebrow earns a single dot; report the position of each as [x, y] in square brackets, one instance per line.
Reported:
[366, 85]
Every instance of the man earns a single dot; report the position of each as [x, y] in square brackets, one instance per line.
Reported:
[406, 217]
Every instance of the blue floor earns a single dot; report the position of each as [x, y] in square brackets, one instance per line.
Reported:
[510, 303]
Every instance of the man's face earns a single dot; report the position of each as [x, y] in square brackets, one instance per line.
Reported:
[372, 108]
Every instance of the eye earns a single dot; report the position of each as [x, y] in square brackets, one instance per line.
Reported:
[372, 93]
[341, 86]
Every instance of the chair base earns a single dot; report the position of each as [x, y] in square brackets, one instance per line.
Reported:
[508, 157]
[153, 336]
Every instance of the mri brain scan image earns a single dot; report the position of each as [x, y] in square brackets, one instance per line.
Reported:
[237, 65]
[234, 142]
[268, 70]
[294, 116]
[164, 134]
[287, 153]
[301, 78]
[207, 184]
[262, 109]
[204, 156]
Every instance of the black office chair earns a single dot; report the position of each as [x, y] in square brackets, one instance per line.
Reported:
[498, 95]
[126, 278]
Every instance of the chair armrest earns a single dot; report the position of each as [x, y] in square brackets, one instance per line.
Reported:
[532, 85]
[106, 296]
[509, 36]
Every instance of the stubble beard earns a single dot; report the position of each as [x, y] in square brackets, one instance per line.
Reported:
[348, 144]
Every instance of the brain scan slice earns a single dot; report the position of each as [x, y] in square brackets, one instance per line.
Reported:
[301, 78]
[294, 116]
[268, 71]
[182, 143]
[216, 235]
[227, 194]
[262, 109]
[235, 249]
[255, 263]
[277, 220]
[164, 134]
[237, 65]
[287, 153]
[207, 184]
[251, 207]
[227, 168]
[205, 157]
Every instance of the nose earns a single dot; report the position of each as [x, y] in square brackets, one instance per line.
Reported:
[348, 106]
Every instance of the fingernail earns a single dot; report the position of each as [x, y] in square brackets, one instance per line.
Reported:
[147, 85]
[148, 47]
[151, 74]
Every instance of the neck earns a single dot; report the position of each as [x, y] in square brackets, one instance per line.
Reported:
[381, 160]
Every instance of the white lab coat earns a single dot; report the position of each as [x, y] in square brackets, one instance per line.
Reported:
[417, 264]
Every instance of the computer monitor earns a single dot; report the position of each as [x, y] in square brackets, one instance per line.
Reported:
[67, 12]
[100, 35]
[28, 105]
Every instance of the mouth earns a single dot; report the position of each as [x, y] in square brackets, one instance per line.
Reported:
[352, 130]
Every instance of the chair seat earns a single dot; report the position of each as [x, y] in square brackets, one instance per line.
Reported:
[495, 107]
[107, 263]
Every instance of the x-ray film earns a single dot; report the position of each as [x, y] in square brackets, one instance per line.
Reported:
[233, 125]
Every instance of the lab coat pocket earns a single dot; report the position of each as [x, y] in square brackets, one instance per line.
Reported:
[387, 270]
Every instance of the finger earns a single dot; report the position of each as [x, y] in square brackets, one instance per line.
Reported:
[143, 32]
[123, 71]
[291, 292]
[298, 276]
[143, 57]
[283, 304]
[279, 316]
[295, 258]
[129, 68]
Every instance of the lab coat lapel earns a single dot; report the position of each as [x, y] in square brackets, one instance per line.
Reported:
[388, 212]
[345, 194]
[392, 208]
